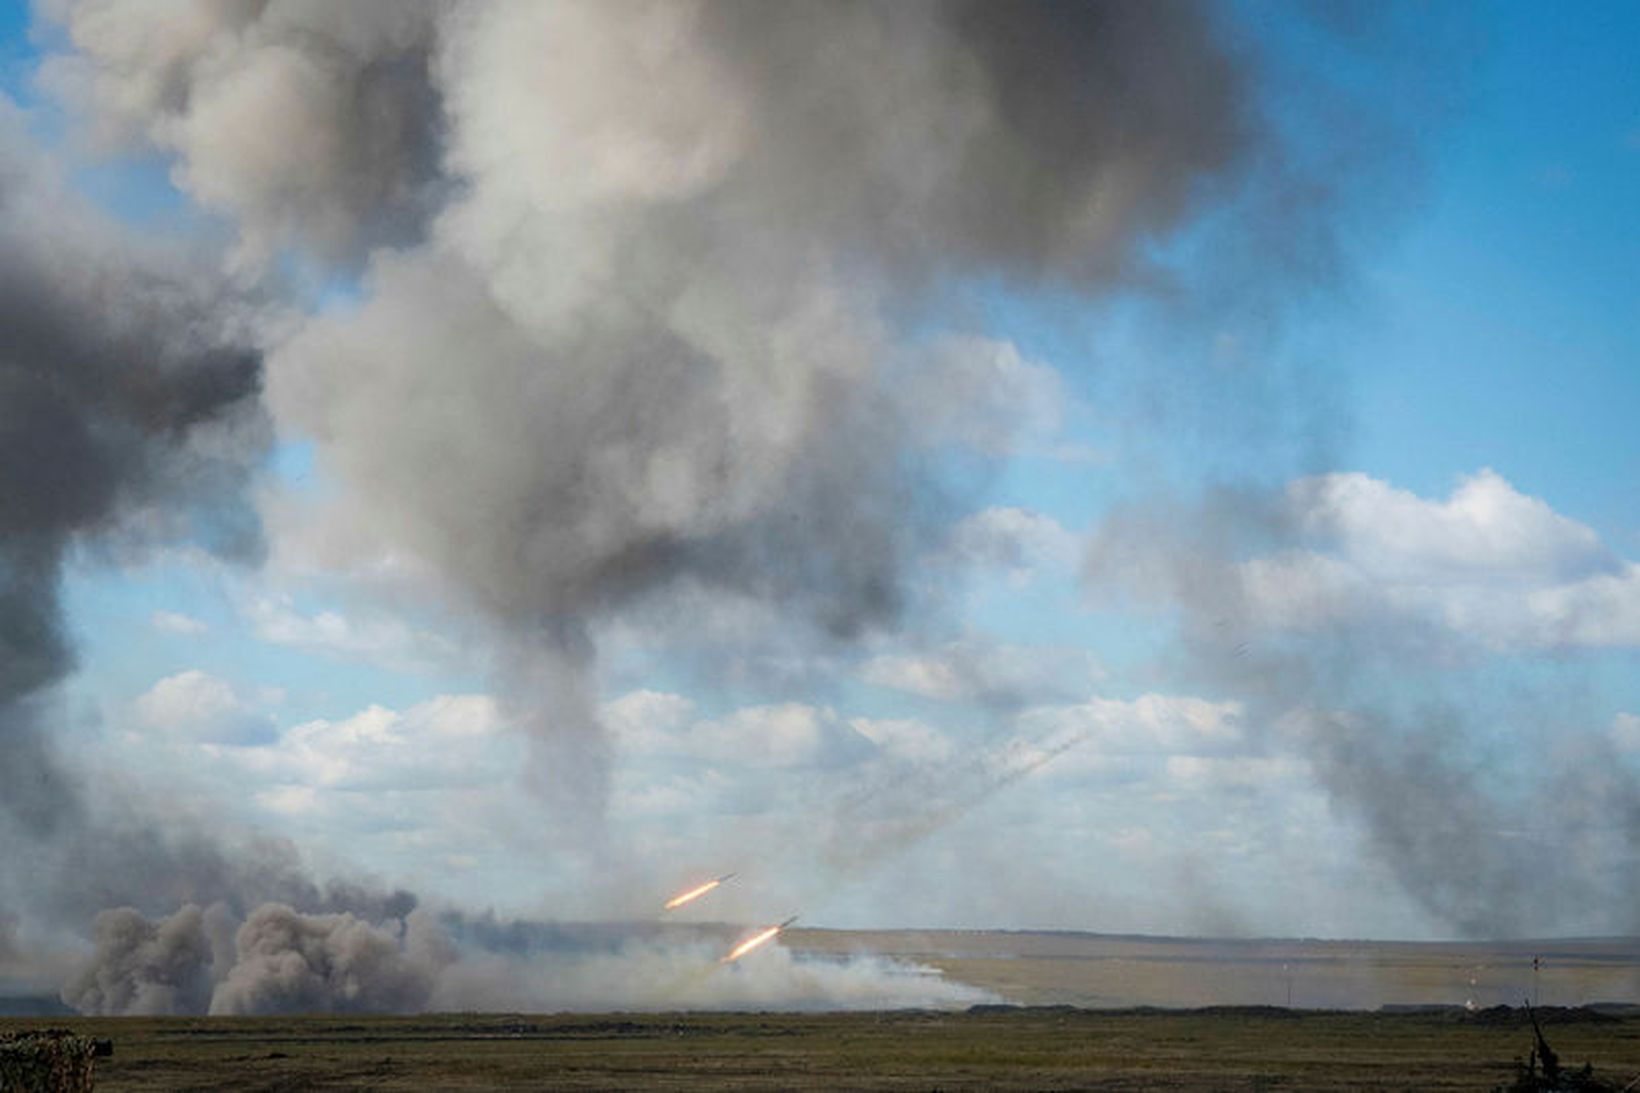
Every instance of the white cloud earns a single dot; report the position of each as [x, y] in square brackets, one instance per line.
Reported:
[905, 738]
[981, 393]
[1302, 589]
[1601, 610]
[647, 722]
[171, 622]
[197, 706]
[1626, 732]
[1488, 564]
[1486, 531]
[288, 800]
[1152, 724]
[651, 725]
[1018, 541]
[684, 796]
[446, 742]
[970, 671]
[1211, 773]
[378, 639]
[789, 734]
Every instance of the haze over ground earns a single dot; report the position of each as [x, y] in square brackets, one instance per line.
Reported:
[1155, 468]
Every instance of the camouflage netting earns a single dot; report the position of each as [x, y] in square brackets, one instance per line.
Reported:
[48, 1061]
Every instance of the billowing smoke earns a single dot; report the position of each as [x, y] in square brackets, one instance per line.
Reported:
[307, 124]
[282, 961]
[146, 967]
[641, 316]
[129, 421]
[277, 961]
[129, 417]
[1351, 621]
[289, 962]
[656, 342]
[658, 300]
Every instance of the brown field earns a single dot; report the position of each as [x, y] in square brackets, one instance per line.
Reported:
[1249, 1041]
[1017, 1049]
[1104, 971]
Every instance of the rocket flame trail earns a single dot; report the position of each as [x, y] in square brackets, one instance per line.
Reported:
[690, 896]
[749, 944]
[695, 893]
[755, 940]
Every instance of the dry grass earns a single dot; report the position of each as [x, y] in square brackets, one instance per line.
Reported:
[1020, 1049]
[1243, 1048]
[1098, 970]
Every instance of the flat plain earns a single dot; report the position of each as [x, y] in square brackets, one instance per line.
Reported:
[1075, 1011]
[1105, 971]
[1032, 1048]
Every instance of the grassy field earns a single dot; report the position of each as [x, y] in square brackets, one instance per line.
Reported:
[1041, 1048]
[1249, 1040]
[1105, 971]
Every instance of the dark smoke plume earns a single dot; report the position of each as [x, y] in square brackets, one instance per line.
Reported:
[129, 420]
[638, 324]
[306, 124]
[656, 342]
[638, 321]
[129, 415]
[1498, 813]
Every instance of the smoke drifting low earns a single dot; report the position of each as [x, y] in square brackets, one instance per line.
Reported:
[282, 961]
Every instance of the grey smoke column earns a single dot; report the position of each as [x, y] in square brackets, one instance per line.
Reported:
[655, 343]
[130, 418]
[1492, 817]
[128, 413]
[644, 283]
[303, 123]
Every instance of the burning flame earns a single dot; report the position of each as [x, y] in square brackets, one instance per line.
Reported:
[693, 894]
[750, 943]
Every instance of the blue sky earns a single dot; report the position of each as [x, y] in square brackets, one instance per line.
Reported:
[1476, 367]
[1506, 332]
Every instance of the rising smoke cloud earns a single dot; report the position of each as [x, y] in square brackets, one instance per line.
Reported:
[130, 420]
[650, 346]
[308, 124]
[129, 417]
[642, 336]
[1317, 619]
[637, 320]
